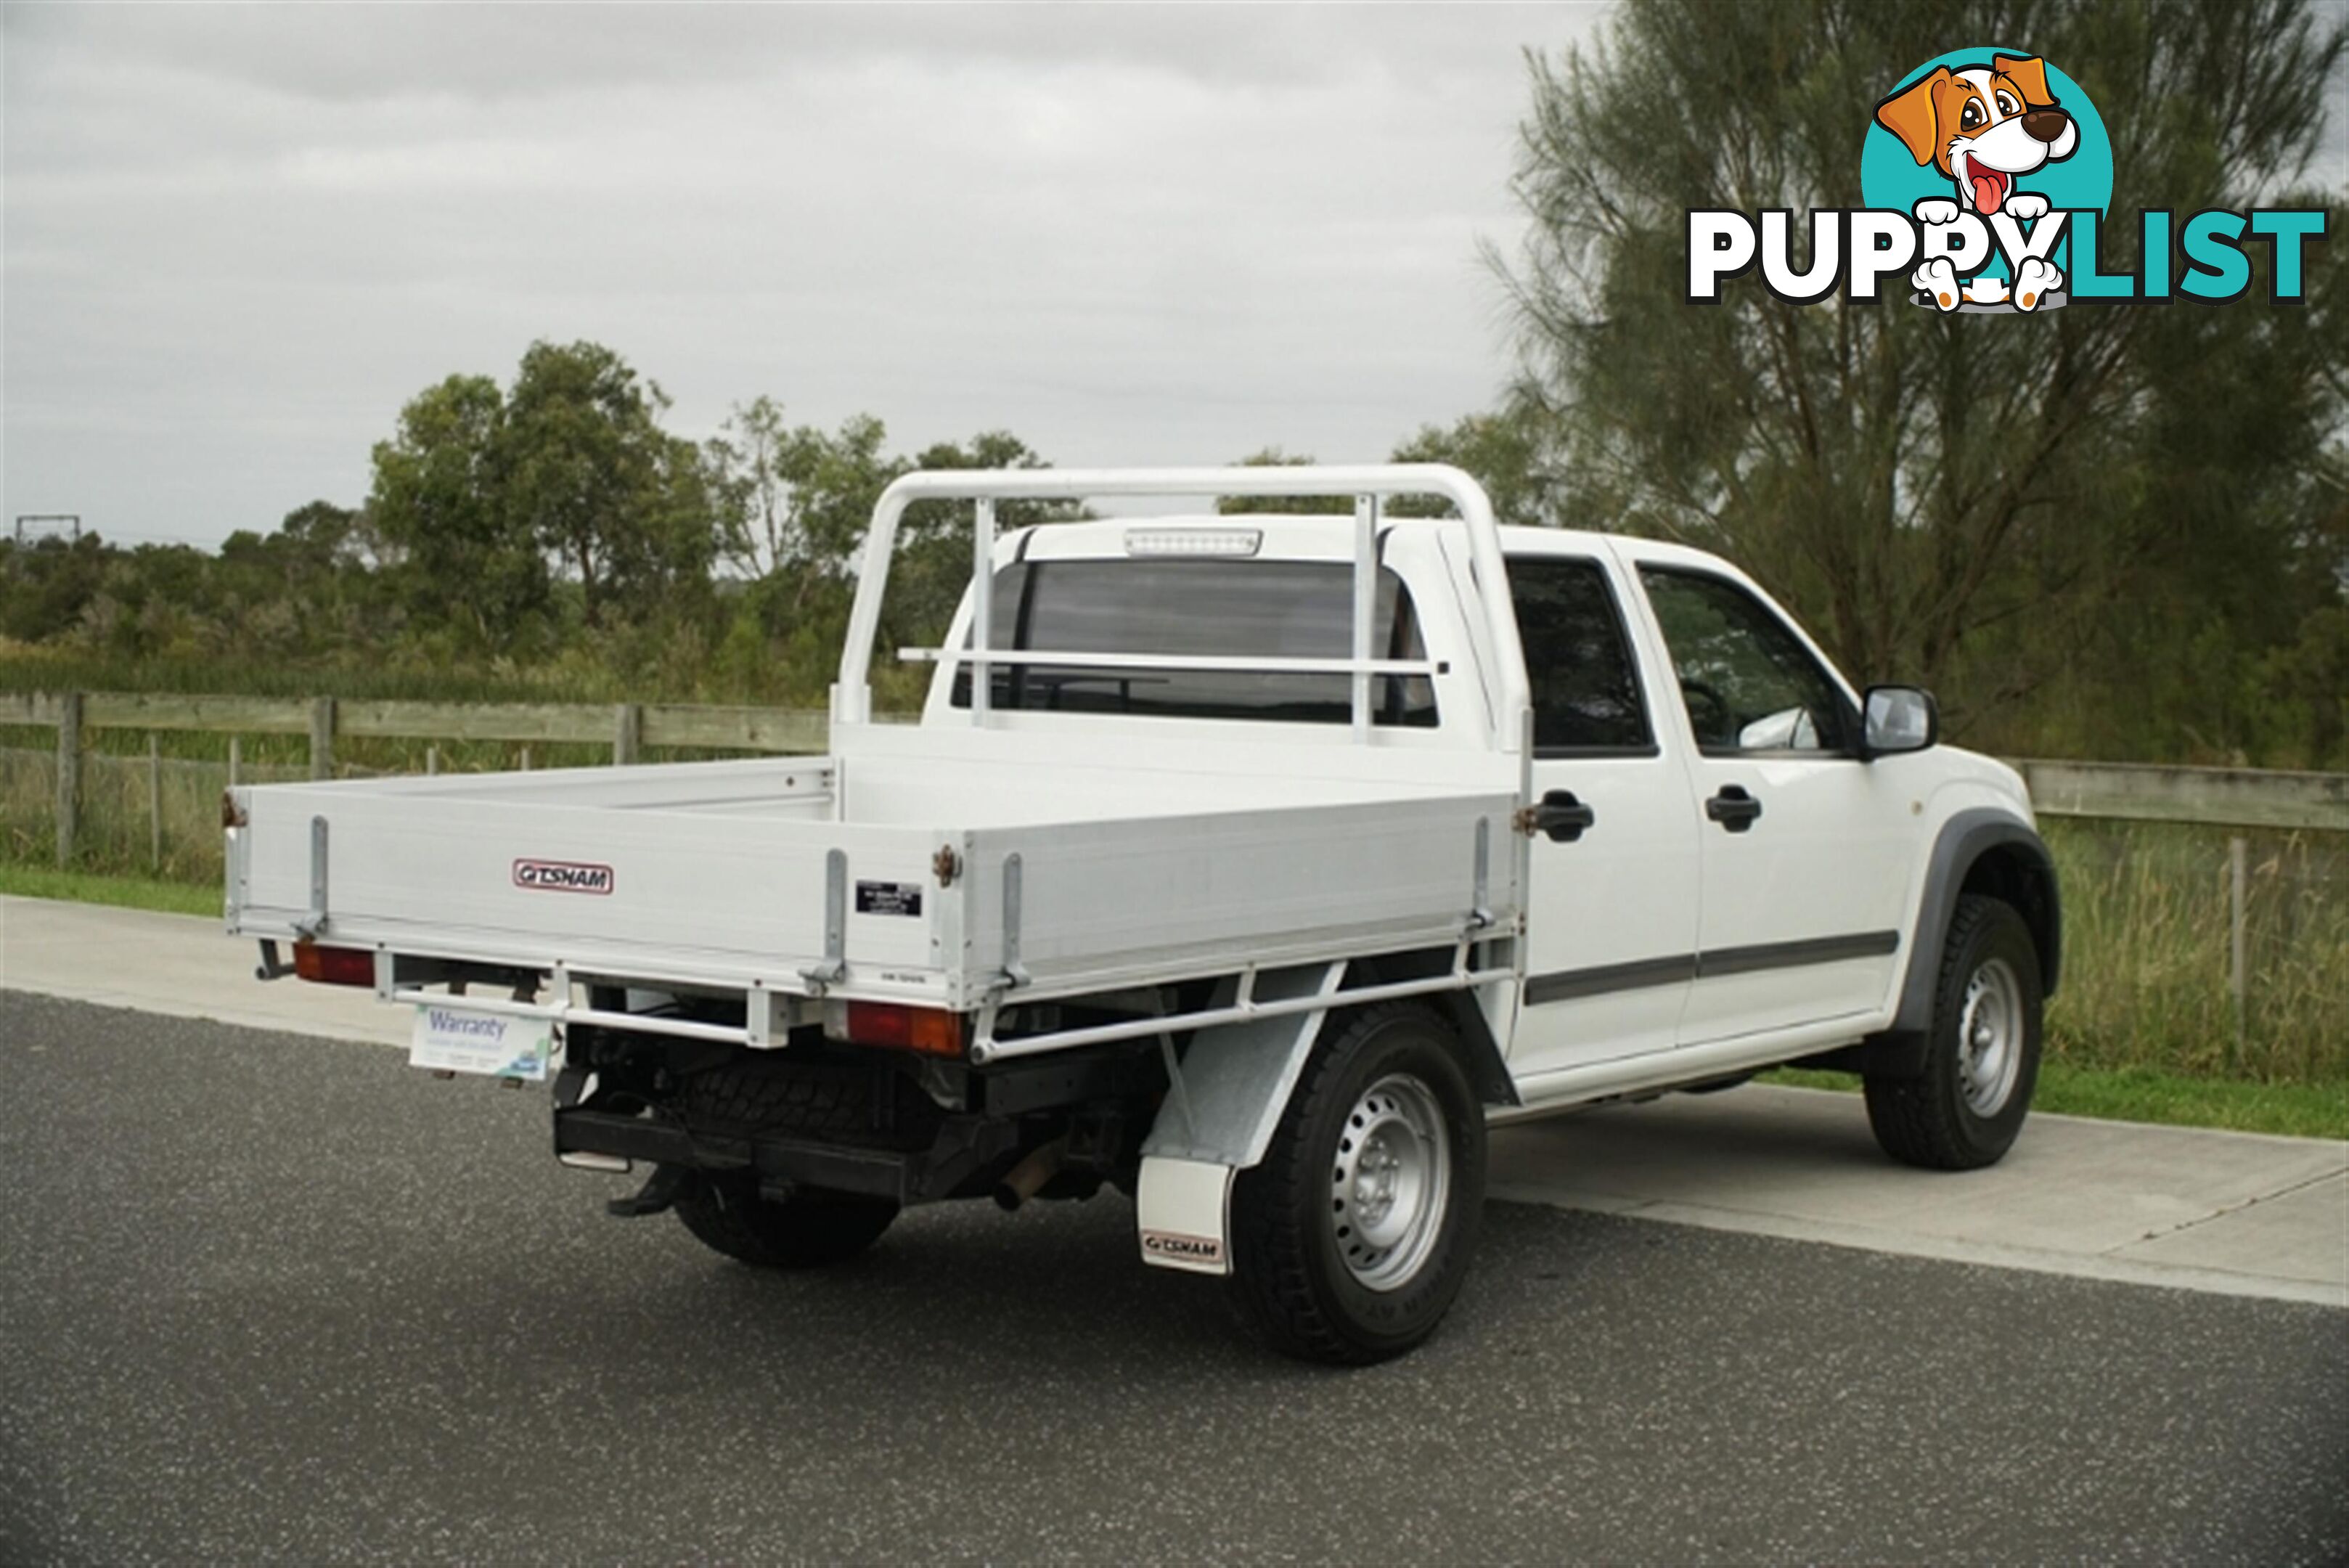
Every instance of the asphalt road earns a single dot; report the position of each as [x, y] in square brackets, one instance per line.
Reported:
[265, 1297]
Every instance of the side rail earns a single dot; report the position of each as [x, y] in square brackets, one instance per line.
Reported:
[1370, 486]
[1246, 1004]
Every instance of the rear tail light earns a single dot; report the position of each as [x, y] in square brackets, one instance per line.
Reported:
[925, 1029]
[334, 966]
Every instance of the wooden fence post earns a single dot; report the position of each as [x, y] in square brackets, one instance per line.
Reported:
[627, 732]
[235, 758]
[154, 800]
[431, 760]
[2238, 978]
[69, 772]
[322, 737]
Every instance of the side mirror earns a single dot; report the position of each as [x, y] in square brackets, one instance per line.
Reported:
[1898, 719]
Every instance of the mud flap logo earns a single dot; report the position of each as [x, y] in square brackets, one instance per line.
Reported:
[1174, 1247]
[562, 876]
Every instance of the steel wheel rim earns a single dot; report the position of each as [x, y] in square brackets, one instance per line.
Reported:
[1990, 1037]
[1390, 1181]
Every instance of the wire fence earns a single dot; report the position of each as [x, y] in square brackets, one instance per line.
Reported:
[2153, 924]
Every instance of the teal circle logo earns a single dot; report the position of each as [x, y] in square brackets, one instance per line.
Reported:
[1891, 176]
[1991, 132]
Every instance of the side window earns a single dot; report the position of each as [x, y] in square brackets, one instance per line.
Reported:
[1585, 695]
[1749, 685]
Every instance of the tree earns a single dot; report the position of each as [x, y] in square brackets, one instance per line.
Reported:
[46, 585]
[835, 480]
[934, 539]
[307, 588]
[1503, 451]
[463, 556]
[480, 492]
[750, 456]
[631, 510]
[1273, 457]
[1937, 499]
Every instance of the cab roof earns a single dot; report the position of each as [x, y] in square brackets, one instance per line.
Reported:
[1299, 537]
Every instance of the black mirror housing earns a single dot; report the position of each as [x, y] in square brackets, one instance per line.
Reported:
[1898, 719]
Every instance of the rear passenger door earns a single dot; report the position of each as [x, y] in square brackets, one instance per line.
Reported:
[1612, 904]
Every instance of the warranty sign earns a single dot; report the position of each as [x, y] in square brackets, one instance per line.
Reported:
[448, 1039]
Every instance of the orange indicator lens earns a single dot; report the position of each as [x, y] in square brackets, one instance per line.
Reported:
[923, 1029]
[334, 966]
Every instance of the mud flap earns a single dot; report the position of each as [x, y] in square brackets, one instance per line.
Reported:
[1225, 1100]
[1184, 1208]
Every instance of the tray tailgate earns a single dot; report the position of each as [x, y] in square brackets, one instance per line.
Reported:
[540, 881]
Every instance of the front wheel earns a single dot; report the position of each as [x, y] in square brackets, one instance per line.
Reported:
[1963, 1111]
[805, 1231]
[1353, 1235]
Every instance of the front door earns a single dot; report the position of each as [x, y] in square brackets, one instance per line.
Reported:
[1806, 848]
[1611, 905]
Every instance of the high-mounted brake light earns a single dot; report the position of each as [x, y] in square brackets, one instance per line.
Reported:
[1193, 541]
[924, 1029]
[334, 966]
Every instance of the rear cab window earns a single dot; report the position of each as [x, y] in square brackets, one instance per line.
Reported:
[1182, 608]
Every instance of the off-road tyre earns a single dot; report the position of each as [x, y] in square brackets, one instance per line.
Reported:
[1290, 1276]
[805, 1231]
[1935, 1119]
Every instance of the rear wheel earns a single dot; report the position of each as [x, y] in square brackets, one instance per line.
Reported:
[1964, 1110]
[807, 1229]
[1353, 1235]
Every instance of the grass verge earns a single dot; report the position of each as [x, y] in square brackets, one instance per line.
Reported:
[122, 892]
[2146, 1095]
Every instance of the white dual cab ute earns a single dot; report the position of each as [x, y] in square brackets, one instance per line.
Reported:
[1250, 864]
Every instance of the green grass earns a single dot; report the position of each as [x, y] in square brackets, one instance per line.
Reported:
[2146, 1095]
[122, 892]
[2145, 942]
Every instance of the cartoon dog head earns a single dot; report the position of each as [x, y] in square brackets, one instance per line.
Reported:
[1981, 126]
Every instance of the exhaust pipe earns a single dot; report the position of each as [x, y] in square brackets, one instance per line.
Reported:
[1021, 1182]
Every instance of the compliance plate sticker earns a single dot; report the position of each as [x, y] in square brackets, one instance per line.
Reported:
[461, 1040]
[888, 897]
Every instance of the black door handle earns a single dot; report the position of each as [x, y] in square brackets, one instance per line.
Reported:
[1733, 808]
[1563, 817]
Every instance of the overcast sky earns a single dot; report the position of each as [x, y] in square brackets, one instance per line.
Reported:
[238, 239]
